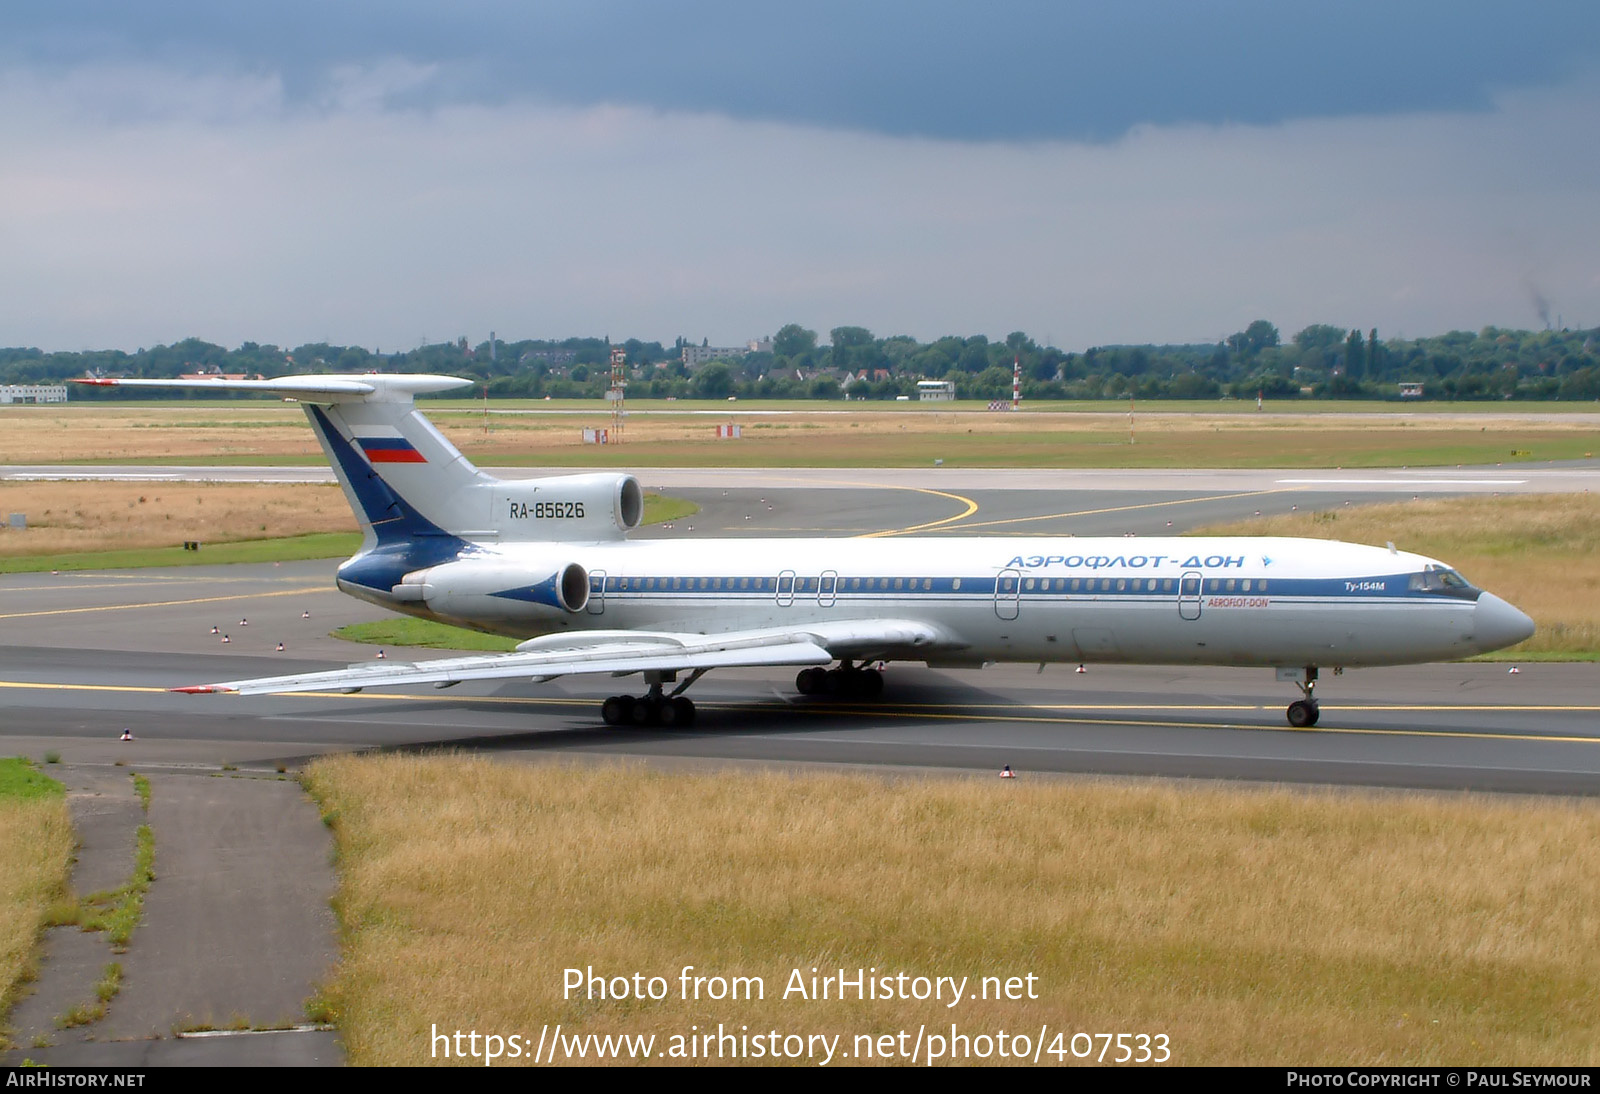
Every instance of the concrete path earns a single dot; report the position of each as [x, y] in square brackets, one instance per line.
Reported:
[236, 934]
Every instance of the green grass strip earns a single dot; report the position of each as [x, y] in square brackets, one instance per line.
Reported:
[20, 780]
[660, 508]
[423, 632]
[287, 549]
[1560, 653]
[115, 911]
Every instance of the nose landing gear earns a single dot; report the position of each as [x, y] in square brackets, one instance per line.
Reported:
[1303, 713]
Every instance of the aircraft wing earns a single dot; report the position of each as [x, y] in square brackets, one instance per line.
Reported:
[619, 653]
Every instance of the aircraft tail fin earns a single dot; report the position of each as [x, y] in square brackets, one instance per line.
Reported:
[409, 485]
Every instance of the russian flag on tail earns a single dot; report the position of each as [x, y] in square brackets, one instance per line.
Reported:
[386, 445]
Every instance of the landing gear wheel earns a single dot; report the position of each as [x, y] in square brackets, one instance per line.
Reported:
[1303, 714]
[617, 710]
[677, 713]
[813, 681]
[646, 712]
[845, 682]
[856, 683]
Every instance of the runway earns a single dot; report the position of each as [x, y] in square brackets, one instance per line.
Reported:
[1525, 478]
[84, 655]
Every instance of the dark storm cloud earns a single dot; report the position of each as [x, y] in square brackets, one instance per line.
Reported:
[935, 68]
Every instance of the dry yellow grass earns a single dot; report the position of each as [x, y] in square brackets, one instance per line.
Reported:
[53, 434]
[36, 844]
[1250, 926]
[69, 517]
[1538, 551]
[859, 434]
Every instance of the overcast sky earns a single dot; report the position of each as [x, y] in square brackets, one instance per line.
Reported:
[380, 173]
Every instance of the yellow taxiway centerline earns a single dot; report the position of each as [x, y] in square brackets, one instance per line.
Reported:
[944, 714]
[1121, 508]
[167, 603]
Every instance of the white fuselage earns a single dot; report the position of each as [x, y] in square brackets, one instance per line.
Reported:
[1225, 601]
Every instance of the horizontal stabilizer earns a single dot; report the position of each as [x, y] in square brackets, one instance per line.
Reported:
[329, 389]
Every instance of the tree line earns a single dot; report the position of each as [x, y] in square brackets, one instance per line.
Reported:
[1321, 361]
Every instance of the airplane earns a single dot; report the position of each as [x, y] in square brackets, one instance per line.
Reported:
[547, 561]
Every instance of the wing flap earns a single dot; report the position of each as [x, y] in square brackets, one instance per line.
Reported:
[621, 653]
[614, 658]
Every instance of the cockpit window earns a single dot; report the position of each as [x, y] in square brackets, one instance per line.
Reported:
[1445, 582]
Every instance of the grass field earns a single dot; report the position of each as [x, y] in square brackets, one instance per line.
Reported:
[1537, 551]
[1251, 926]
[120, 525]
[68, 518]
[36, 844]
[842, 435]
[405, 631]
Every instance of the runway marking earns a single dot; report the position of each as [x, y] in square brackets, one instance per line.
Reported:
[1478, 735]
[18, 590]
[944, 713]
[1406, 482]
[167, 603]
[129, 581]
[971, 506]
[1121, 508]
[30, 686]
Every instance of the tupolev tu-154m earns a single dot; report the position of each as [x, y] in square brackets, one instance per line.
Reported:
[548, 561]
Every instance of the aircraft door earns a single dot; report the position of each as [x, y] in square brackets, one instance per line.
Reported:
[1007, 594]
[827, 587]
[597, 592]
[786, 588]
[1189, 588]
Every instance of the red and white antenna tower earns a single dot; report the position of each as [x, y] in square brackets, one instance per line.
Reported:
[1016, 382]
[619, 383]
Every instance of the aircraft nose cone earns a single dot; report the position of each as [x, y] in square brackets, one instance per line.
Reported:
[1496, 624]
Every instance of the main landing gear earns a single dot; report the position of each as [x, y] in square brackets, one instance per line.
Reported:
[844, 682]
[653, 708]
[648, 710]
[1303, 713]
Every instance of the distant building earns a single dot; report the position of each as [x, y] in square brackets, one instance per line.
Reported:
[1410, 391]
[550, 356]
[33, 393]
[936, 391]
[699, 355]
